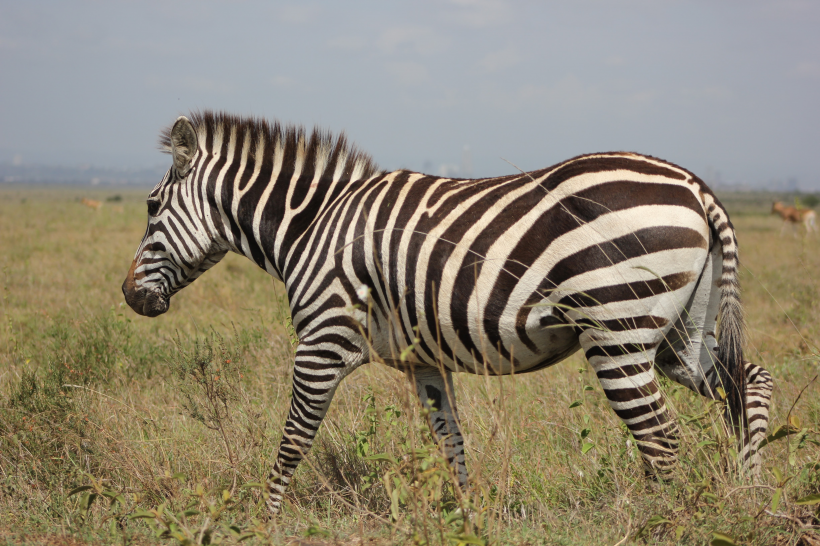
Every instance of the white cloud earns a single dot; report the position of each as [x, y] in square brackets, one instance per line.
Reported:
[417, 39]
[347, 43]
[282, 81]
[566, 92]
[501, 59]
[642, 97]
[207, 84]
[785, 9]
[298, 13]
[8, 45]
[408, 73]
[707, 92]
[808, 69]
[480, 13]
[195, 83]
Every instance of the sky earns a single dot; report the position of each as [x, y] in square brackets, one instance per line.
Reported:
[727, 89]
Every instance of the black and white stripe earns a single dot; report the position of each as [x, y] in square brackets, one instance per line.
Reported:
[628, 257]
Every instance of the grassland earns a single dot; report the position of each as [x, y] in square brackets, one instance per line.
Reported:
[167, 425]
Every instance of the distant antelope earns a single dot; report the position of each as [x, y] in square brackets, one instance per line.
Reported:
[794, 216]
[91, 203]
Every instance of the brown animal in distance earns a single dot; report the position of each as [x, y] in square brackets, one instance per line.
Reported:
[794, 216]
[91, 203]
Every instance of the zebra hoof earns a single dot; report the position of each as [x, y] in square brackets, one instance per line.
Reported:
[658, 475]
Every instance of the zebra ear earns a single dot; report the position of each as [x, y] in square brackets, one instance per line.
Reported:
[183, 144]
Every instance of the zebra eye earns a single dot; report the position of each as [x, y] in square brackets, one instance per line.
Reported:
[153, 206]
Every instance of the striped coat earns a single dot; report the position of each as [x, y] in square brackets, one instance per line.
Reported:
[626, 257]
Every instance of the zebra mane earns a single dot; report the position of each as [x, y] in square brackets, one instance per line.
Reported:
[319, 151]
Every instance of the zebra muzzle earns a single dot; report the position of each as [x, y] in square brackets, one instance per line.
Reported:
[155, 304]
[144, 302]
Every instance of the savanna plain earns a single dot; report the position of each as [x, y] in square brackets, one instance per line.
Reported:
[119, 429]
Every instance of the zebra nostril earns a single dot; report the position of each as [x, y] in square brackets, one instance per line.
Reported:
[155, 247]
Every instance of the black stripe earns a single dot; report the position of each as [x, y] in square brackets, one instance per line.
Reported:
[612, 351]
[628, 291]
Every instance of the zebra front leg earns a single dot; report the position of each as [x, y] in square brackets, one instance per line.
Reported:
[315, 378]
[623, 362]
[437, 396]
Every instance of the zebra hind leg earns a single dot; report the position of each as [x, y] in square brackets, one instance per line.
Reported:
[623, 362]
[437, 396]
[678, 365]
[688, 356]
[758, 397]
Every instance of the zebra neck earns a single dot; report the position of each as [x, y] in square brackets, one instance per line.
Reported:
[260, 184]
[262, 210]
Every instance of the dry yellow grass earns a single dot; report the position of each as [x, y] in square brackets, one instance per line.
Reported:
[127, 419]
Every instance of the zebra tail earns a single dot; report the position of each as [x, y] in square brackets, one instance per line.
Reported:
[731, 325]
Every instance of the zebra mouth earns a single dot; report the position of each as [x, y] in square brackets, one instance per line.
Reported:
[145, 302]
[155, 304]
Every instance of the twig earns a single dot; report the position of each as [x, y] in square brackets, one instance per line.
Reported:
[799, 395]
[792, 519]
[769, 487]
[204, 528]
[572, 430]
[109, 397]
[628, 531]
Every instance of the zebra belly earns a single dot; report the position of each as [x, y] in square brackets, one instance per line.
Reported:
[557, 345]
[551, 341]
[554, 343]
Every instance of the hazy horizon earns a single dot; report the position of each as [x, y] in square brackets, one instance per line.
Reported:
[727, 90]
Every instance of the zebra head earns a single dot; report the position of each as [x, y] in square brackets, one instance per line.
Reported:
[178, 245]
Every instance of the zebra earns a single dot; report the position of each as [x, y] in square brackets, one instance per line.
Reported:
[630, 258]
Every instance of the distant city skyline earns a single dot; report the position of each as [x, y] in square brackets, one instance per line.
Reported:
[727, 90]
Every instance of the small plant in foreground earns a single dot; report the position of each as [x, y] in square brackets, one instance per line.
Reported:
[419, 484]
[210, 378]
[90, 493]
[198, 519]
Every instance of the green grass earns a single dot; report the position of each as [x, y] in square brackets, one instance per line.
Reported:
[166, 414]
